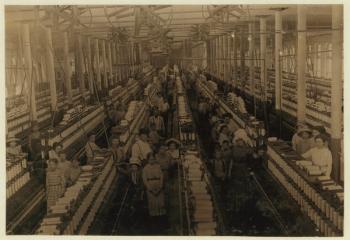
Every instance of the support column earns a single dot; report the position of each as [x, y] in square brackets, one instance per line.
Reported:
[301, 63]
[235, 57]
[324, 60]
[104, 62]
[98, 68]
[51, 69]
[117, 62]
[28, 66]
[110, 63]
[211, 49]
[216, 53]
[221, 55]
[89, 70]
[228, 61]
[263, 63]
[278, 49]
[251, 56]
[81, 67]
[113, 53]
[336, 89]
[67, 69]
[243, 39]
[224, 51]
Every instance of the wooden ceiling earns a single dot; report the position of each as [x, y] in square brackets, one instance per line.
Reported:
[99, 21]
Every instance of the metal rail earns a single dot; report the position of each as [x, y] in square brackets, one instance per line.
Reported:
[39, 197]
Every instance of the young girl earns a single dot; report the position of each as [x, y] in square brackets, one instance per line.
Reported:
[152, 177]
[55, 183]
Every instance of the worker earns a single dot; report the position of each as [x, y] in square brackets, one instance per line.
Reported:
[158, 121]
[304, 143]
[117, 150]
[240, 151]
[317, 130]
[296, 138]
[242, 134]
[154, 137]
[55, 183]
[215, 115]
[35, 143]
[152, 177]
[224, 134]
[164, 160]
[119, 113]
[157, 100]
[226, 155]
[91, 148]
[228, 120]
[174, 154]
[215, 130]
[56, 148]
[74, 172]
[141, 147]
[13, 150]
[203, 107]
[64, 165]
[219, 163]
[35, 149]
[241, 104]
[320, 155]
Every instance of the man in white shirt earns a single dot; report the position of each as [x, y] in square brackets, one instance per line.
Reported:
[320, 155]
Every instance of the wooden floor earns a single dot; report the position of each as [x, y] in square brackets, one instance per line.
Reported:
[244, 207]
[120, 215]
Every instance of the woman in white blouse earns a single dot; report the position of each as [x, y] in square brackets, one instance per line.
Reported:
[320, 155]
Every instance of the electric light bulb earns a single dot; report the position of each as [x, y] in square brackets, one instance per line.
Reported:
[233, 35]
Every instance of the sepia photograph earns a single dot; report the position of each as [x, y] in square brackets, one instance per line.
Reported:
[174, 120]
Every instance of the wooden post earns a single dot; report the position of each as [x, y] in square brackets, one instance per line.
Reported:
[109, 54]
[263, 62]
[113, 63]
[243, 39]
[278, 49]
[28, 66]
[235, 56]
[229, 67]
[104, 62]
[117, 61]
[251, 56]
[89, 70]
[215, 55]
[67, 69]
[81, 66]
[98, 67]
[301, 62]
[224, 51]
[51, 69]
[336, 89]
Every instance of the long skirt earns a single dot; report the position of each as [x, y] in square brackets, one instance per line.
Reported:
[156, 206]
[54, 192]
